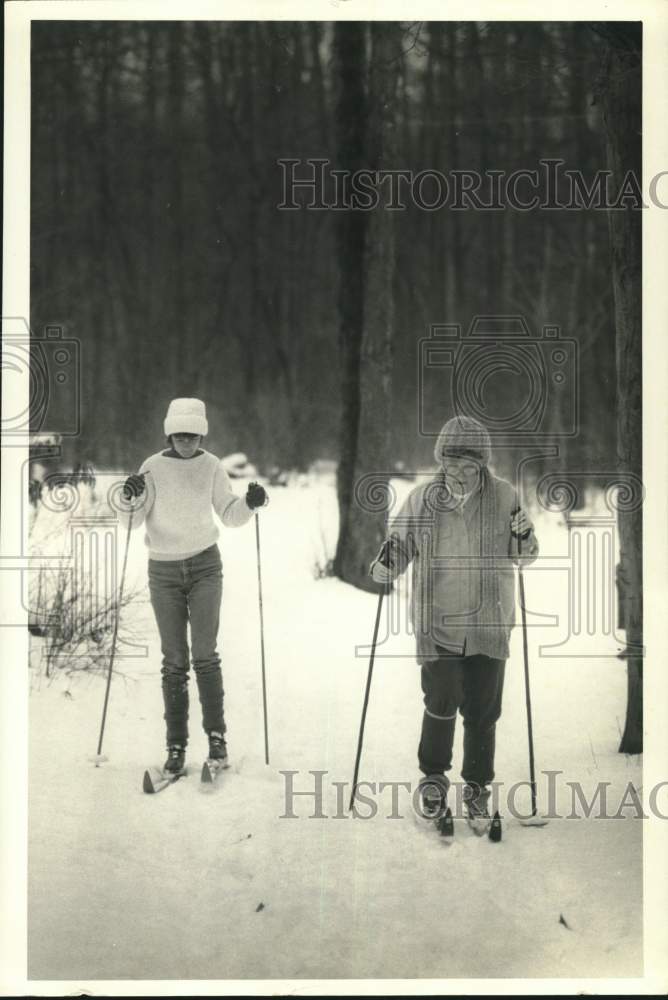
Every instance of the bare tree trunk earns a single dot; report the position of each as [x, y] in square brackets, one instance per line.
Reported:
[475, 81]
[180, 367]
[367, 317]
[621, 99]
[508, 219]
[456, 258]
[250, 34]
[314, 29]
[350, 56]
[148, 176]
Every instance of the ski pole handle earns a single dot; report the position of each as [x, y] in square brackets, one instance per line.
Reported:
[251, 493]
[520, 537]
[384, 559]
[385, 555]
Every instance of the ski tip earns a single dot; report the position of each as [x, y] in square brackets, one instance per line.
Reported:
[446, 826]
[155, 779]
[534, 821]
[211, 769]
[495, 829]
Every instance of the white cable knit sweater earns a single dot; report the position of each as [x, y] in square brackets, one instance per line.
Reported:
[178, 503]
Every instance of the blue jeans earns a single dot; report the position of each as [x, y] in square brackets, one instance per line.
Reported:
[182, 591]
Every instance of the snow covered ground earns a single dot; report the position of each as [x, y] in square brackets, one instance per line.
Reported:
[188, 885]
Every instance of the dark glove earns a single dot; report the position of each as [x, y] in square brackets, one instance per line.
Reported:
[382, 568]
[256, 496]
[384, 556]
[133, 487]
[519, 520]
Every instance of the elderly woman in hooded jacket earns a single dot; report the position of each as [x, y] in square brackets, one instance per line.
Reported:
[462, 532]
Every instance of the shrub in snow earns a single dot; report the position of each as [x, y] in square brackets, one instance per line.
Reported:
[74, 585]
[74, 619]
[325, 532]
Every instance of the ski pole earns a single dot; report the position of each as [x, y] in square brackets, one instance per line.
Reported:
[99, 756]
[534, 819]
[383, 559]
[264, 680]
[527, 688]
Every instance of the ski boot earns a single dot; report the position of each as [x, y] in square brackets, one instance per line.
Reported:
[217, 749]
[176, 759]
[433, 790]
[477, 813]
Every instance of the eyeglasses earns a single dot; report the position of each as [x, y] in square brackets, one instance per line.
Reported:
[468, 468]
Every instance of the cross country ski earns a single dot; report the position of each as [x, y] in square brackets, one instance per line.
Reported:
[157, 779]
[211, 769]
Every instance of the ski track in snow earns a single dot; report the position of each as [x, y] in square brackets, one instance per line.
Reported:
[124, 885]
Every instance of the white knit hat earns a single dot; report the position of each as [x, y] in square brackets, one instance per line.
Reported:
[186, 416]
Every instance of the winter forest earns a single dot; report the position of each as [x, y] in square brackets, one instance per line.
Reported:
[157, 240]
[338, 235]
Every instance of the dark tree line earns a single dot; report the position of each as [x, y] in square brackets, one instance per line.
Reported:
[157, 241]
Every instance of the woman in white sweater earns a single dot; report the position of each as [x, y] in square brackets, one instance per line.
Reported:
[174, 496]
